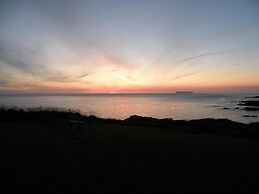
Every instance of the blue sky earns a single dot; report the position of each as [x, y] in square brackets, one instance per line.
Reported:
[129, 46]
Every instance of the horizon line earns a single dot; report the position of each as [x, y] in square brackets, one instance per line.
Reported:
[127, 93]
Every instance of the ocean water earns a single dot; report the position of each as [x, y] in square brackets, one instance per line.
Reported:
[121, 106]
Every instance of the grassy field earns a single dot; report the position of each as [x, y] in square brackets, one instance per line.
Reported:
[47, 155]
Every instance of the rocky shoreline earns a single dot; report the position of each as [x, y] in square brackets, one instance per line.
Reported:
[75, 119]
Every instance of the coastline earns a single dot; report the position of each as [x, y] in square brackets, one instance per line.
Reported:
[200, 126]
[57, 151]
[177, 106]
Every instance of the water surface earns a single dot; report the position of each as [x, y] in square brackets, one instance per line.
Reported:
[121, 106]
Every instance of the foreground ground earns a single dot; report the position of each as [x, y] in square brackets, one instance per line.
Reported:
[45, 153]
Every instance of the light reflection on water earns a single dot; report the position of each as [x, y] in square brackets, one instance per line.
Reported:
[176, 106]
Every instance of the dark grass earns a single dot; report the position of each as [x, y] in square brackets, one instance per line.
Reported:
[42, 153]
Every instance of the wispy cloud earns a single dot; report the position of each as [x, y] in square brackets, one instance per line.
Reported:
[251, 57]
[82, 75]
[208, 54]
[3, 82]
[241, 61]
[116, 61]
[24, 59]
[32, 62]
[181, 76]
[61, 77]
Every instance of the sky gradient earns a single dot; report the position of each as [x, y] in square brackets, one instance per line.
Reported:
[118, 46]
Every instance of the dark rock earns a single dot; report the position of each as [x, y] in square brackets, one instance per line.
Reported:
[253, 116]
[253, 97]
[249, 103]
[251, 109]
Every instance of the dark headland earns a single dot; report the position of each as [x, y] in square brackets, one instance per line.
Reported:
[57, 151]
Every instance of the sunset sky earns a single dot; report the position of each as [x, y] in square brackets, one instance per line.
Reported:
[134, 46]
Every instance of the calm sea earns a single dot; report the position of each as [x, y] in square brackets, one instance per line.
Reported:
[121, 106]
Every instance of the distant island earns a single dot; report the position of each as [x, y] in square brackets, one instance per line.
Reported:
[184, 92]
